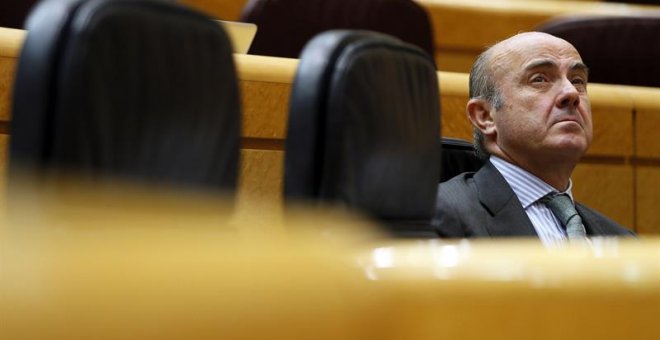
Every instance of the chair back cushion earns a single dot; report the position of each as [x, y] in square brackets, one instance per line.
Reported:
[285, 26]
[457, 157]
[363, 126]
[617, 50]
[135, 88]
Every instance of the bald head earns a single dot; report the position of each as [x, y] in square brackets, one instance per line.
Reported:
[496, 62]
[504, 55]
[526, 38]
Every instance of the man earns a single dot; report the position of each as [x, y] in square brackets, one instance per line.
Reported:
[532, 121]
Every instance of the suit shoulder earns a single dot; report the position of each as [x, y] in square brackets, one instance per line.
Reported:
[458, 184]
[455, 202]
[601, 224]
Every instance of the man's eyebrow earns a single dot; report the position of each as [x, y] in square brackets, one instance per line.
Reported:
[580, 66]
[543, 63]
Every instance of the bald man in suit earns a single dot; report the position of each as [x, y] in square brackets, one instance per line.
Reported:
[532, 120]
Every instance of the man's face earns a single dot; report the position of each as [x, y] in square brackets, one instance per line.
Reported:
[546, 113]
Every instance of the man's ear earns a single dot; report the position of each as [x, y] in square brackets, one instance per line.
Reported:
[480, 114]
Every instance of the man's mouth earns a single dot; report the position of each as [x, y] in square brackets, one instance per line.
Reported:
[567, 119]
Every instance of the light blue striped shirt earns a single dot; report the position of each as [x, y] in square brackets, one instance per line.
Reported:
[529, 190]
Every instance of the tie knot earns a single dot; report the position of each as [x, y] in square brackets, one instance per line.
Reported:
[561, 205]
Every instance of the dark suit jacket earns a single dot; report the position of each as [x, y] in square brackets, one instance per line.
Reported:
[482, 204]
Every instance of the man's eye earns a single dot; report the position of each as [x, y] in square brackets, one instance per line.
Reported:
[578, 81]
[538, 79]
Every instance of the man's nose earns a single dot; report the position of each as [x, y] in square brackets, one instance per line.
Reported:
[569, 96]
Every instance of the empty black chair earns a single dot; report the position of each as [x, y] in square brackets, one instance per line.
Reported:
[285, 26]
[363, 129]
[457, 157]
[618, 50]
[137, 89]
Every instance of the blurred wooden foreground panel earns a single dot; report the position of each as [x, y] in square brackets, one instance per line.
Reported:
[607, 179]
[170, 268]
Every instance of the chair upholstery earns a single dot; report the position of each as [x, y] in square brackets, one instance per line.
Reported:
[13, 13]
[132, 88]
[618, 50]
[363, 129]
[286, 25]
[457, 157]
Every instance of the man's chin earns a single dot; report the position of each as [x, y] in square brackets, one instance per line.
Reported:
[573, 141]
[571, 147]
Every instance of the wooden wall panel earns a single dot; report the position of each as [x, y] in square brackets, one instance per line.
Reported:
[261, 175]
[607, 188]
[265, 108]
[10, 43]
[4, 157]
[259, 199]
[647, 109]
[455, 61]
[7, 70]
[613, 132]
[645, 103]
[453, 93]
[612, 119]
[454, 119]
[219, 9]
[648, 199]
[647, 137]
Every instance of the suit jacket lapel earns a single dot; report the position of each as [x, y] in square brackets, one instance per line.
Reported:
[591, 225]
[506, 215]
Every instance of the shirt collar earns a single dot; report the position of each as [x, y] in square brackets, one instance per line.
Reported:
[526, 186]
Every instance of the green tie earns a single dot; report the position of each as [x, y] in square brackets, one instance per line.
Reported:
[563, 208]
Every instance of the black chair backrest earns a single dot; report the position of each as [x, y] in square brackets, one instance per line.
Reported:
[285, 26]
[129, 88]
[618, 50]
[363, 128]
[457, 157]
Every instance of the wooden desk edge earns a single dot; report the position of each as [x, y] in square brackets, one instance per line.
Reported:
[11, 41]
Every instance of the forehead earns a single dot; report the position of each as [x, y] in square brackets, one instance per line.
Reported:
[516, 54]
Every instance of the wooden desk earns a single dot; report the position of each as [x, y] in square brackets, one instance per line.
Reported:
[618, 175]
[146, 276]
